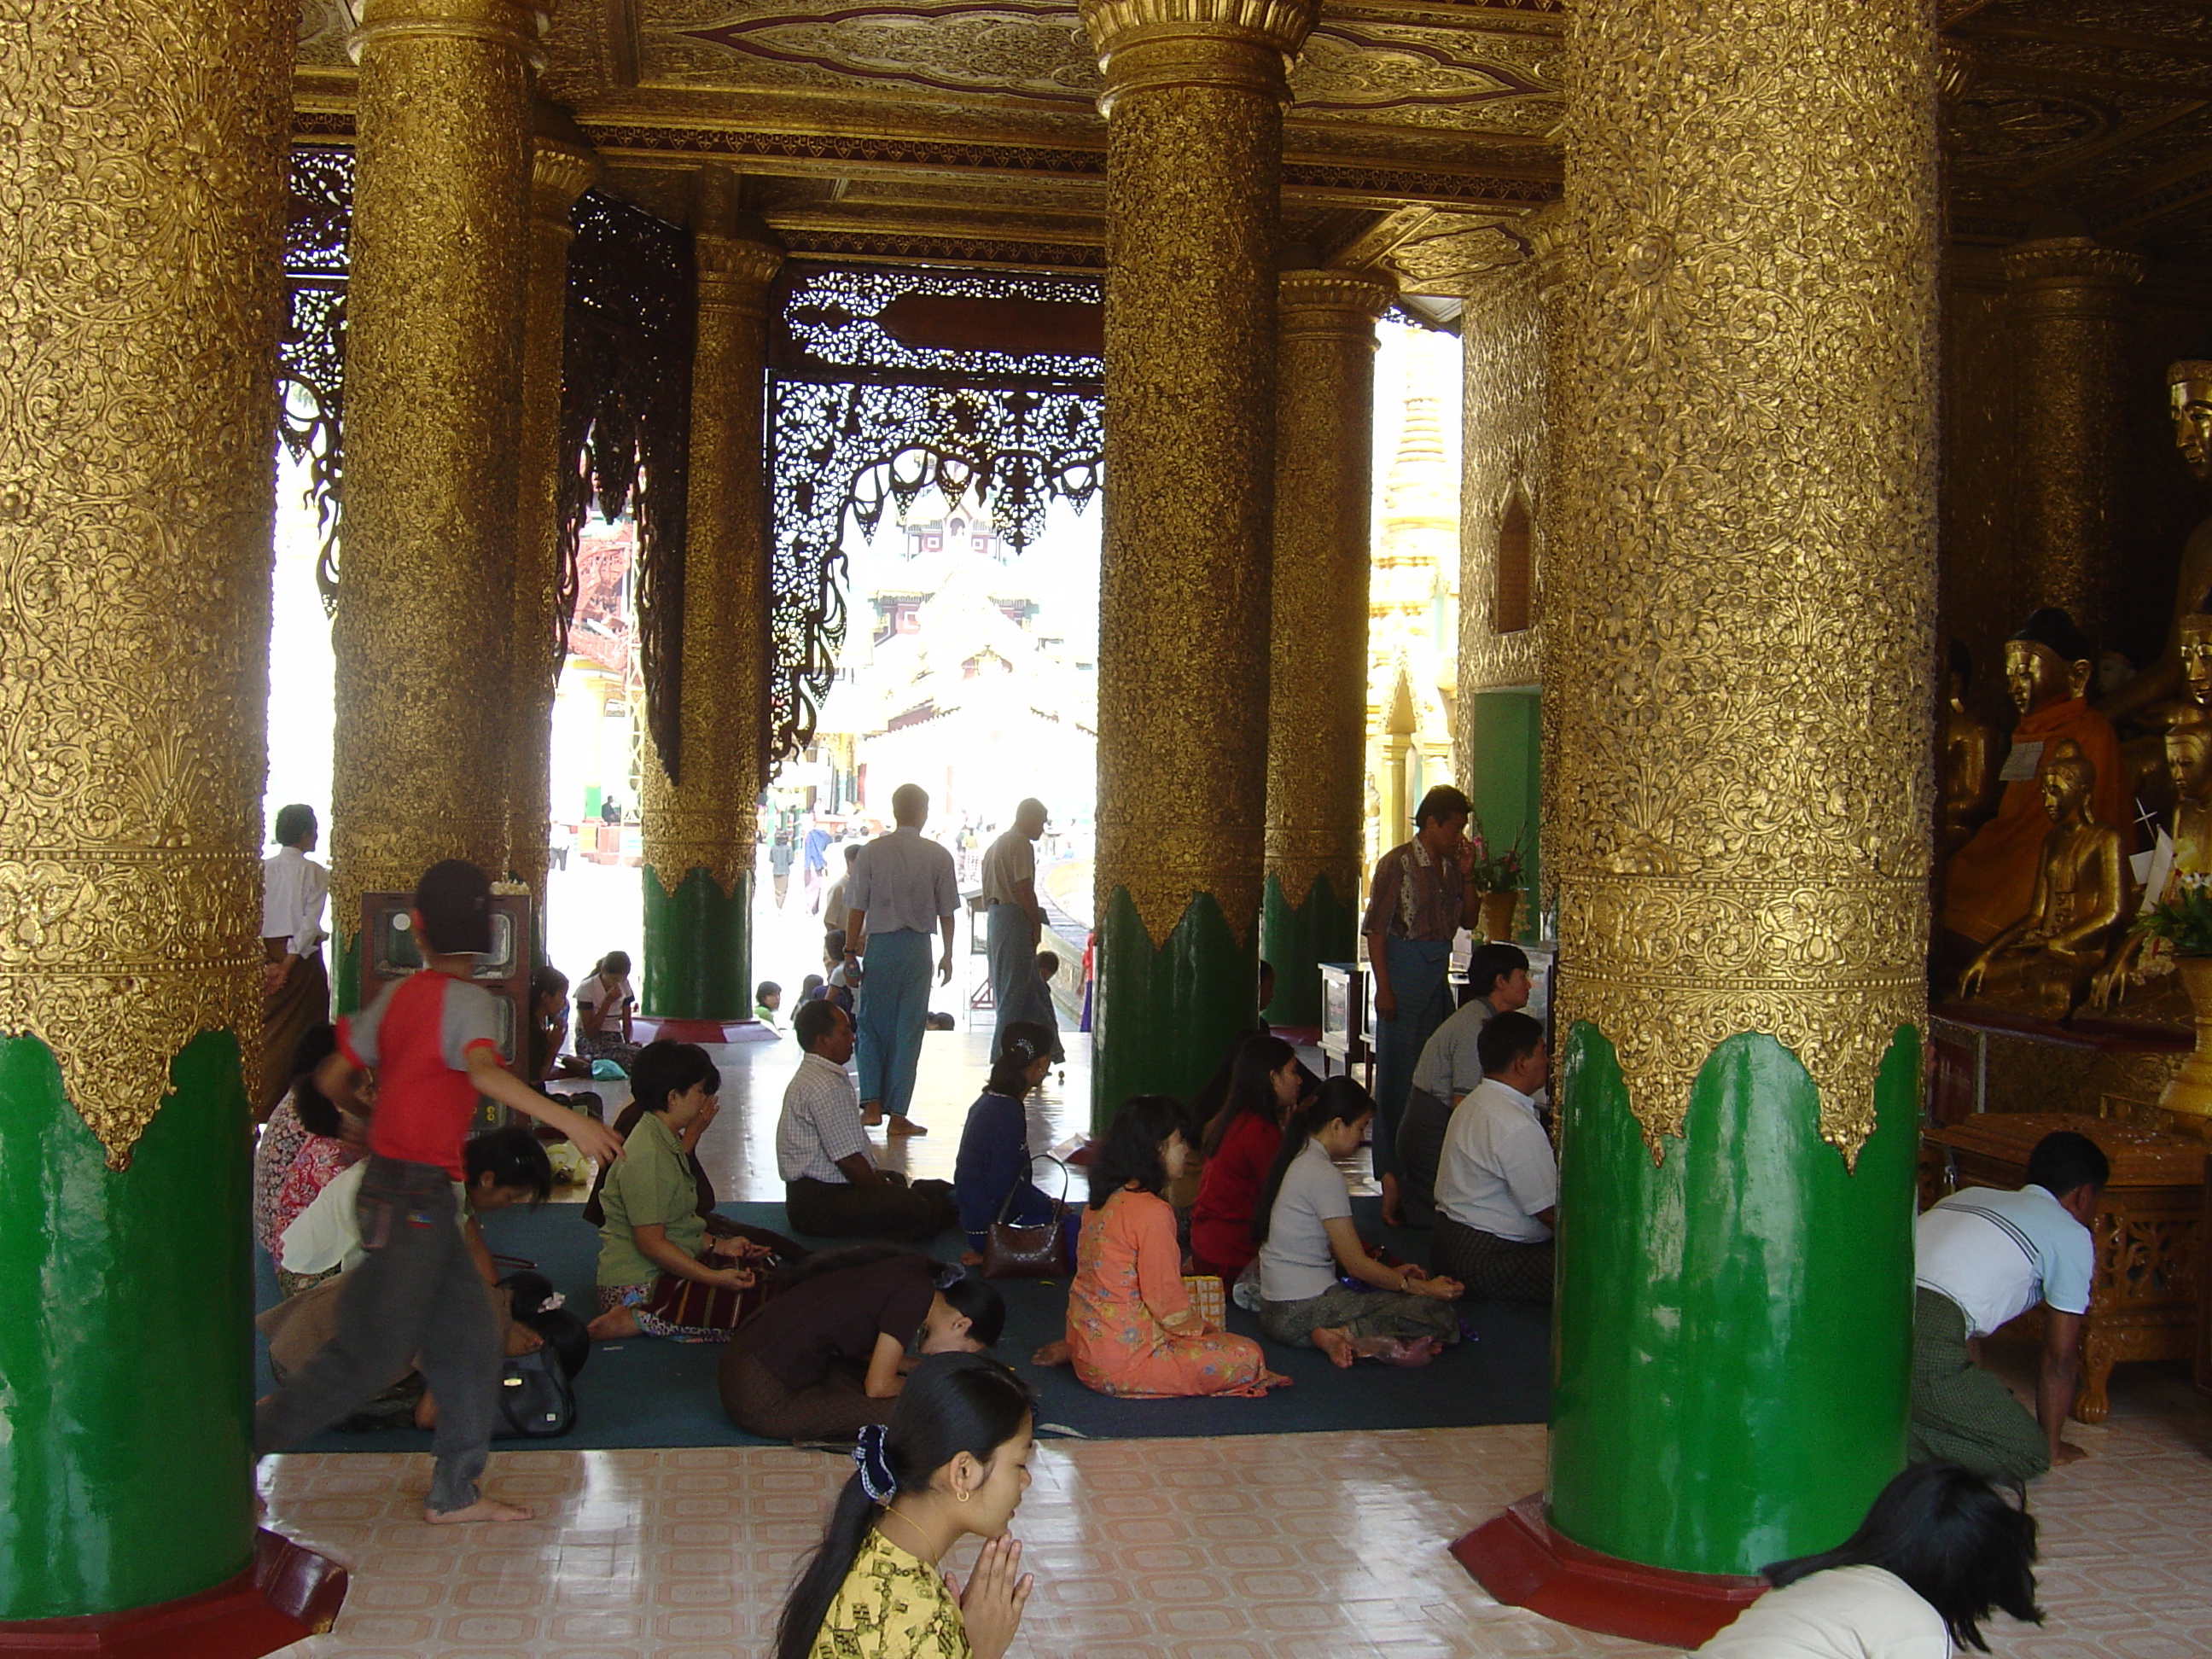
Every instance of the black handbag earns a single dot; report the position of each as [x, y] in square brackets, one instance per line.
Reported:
[536, 1400]
[1041, 1252]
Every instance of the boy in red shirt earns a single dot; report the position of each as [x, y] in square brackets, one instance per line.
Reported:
[417, 1298]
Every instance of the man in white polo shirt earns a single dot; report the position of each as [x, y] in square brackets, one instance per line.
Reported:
[1497, 1187]
[1981, 1258]
[831, 1186]
[1496, 983]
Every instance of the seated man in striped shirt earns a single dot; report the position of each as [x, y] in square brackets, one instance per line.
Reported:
[832, 1188]
[1982, 1257]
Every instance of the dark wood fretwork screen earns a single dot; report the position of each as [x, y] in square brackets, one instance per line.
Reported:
[310, 357]
[885, 384]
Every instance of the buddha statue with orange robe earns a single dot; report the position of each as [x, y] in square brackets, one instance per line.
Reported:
[1989, 882]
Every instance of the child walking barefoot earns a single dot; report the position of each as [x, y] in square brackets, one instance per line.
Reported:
[1303, 1225]
[417, 1297]
[953, 1461]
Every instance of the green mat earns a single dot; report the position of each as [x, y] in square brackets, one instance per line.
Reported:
[649, 1394]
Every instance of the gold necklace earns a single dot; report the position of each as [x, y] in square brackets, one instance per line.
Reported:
[922, 1554]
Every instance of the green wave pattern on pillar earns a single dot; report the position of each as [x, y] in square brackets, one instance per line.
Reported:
[1160, 1019]
[698, 949]
[1733, 1344]
[345, 970]
[126, 1442]
[1325, 928]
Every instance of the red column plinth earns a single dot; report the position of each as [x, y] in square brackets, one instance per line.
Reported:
[1519, 1560]
[289, 1594]
[702, 1030]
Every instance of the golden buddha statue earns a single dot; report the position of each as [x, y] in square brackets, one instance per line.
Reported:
[2187, 744]
[1989, 881]
[1969, 760]
[2189, 394]
[2082, 900]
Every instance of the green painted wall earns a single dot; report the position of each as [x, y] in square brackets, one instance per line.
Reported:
[345, 971]
[1325, 928]
[698, 949]
[1161, 1019]
[1499, 744]
[1733, 1341]
[126, 1447]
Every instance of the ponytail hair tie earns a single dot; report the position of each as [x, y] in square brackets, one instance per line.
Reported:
[875, 1468]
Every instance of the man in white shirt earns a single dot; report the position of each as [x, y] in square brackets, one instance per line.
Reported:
[295, 990]
[832, 1186]
[1981, 1258]
[900, 889]
[1497, 1187]
[1496, 983]
[1016, 919]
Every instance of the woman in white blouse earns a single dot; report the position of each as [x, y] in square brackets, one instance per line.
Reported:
[295, 990]
[1938, 1553]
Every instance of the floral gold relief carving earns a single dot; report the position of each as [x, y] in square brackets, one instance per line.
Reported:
[707, 822]
[1324, 404]
[142, 213]
[1194, 90]
[1739, 591]
[439, 258]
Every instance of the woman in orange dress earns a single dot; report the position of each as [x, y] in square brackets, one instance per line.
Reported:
[1131, 1329]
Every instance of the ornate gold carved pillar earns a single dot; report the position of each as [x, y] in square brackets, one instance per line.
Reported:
[1739, 618]
[561, 168]
[433, 359]
[2069, 298]
[141, 215]
[699, 836]
[1193, 100]
[1317, 702]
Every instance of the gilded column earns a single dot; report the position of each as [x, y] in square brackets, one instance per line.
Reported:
[141, 212]
[561, 168]
[1317, 697]
[434, 385]
[1739, 618]
[699, 834]
[2069, 299]
[1194, 101]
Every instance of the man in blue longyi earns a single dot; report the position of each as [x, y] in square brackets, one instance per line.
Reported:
[902, 889]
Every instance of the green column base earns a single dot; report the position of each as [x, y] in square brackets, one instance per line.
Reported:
[1161, 1019]
[126, 1387]
[1733, 1342]
[345, 972]
[698, 949]
[1325, 928]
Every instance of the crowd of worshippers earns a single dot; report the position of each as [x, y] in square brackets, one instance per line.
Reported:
[368, 1187]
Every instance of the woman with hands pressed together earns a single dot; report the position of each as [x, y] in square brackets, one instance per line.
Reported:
[660, 1274]
[952, 1461]
[1303, 1225]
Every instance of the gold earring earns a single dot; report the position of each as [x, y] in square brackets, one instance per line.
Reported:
[959, 1494]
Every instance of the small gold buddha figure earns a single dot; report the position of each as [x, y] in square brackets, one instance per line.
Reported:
[1970, 759]
[2082, 903]
[1988, 881]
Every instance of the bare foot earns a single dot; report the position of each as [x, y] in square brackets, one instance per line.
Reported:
[2069, 1453]
[1053, 1353]
[484, 1509]
[870, 1116]
[613, 1325]
[971, 1258]
[1276, 1380]
[426, 1411]
[1337, 1345]
[902, 1128]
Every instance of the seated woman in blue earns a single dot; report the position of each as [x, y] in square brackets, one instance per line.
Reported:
[994, 1147]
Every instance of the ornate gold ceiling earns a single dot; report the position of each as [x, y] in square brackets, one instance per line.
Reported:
[966, 130]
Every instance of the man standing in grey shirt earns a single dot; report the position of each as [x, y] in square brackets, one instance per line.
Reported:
[901, 886]
[1017, 923]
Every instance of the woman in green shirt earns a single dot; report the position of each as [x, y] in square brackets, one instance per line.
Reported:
[660, 1274]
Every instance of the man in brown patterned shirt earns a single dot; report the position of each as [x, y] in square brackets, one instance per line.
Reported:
[1418, 902]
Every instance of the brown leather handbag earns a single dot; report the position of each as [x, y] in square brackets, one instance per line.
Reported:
[1041, 1252]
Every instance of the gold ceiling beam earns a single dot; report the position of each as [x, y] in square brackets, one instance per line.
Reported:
[2115, 140]
[2060, 34]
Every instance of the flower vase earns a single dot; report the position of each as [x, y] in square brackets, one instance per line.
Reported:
[2189, 1093]
[1497, 910]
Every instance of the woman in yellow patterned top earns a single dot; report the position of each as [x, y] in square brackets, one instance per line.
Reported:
[954, 1461]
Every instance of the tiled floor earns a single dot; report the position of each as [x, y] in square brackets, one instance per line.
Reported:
[1306, 1546]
